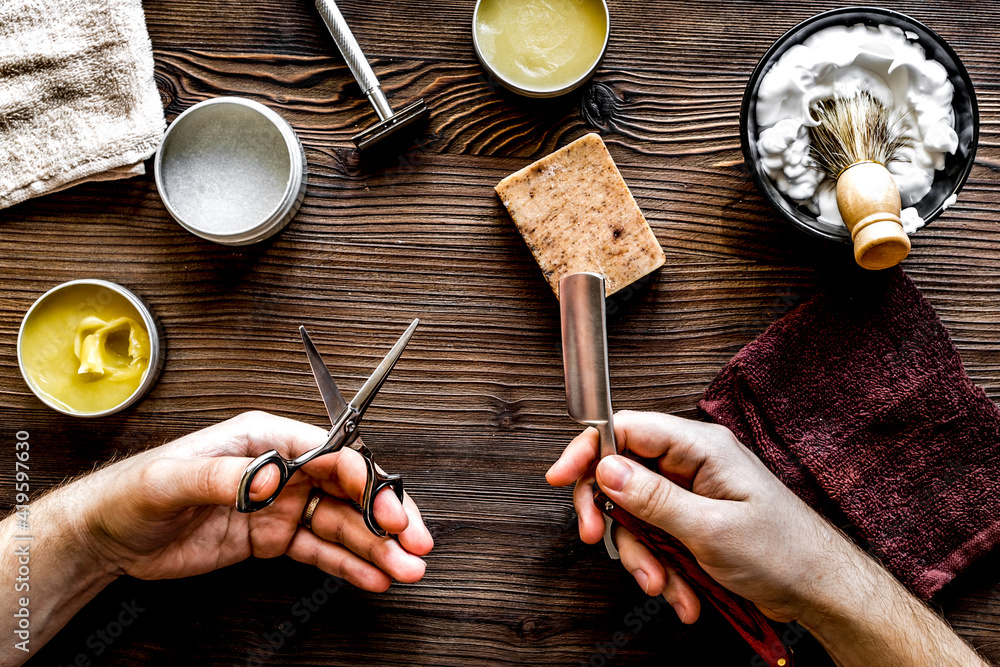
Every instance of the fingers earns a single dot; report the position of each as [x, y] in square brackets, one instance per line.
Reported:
[204, 468]
[656, 578]
[307, 547]
[649, 573]
[389, 512]
[651, 497]
[682, 446]
[213, 480]
[264, 483]
[415, 538]
[250, 434]
[576, 459]
[204, 481]
[576, 465]
[589, 518]
[262, 431]
[345, 474]
[335, 521]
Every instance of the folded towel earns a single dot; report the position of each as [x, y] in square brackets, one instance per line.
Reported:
[860, 404]
[77, 97]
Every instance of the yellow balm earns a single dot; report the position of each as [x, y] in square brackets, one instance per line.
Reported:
[84, 348]
[541, 47]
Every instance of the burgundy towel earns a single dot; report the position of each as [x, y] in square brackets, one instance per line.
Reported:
[860, 404]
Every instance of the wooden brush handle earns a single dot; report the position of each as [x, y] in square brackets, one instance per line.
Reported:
[869, 204]
[742, 614]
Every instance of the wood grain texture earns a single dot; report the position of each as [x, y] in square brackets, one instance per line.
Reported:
[475, 411]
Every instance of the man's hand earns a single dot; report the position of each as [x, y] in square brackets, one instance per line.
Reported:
[748, 531]
[170, 511]
[752, 535]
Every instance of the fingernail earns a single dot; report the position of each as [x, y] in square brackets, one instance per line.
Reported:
[613, 473]
[643, 580]
[261, 480]
[679, 608]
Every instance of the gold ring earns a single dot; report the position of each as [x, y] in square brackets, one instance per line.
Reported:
[315, 496]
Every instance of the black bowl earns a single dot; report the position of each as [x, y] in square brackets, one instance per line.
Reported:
[947, 182]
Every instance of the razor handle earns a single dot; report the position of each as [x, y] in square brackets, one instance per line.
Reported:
[742, 614]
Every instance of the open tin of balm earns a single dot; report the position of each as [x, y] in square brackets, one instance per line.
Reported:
[541, 48]
[230, 170]
[89, 348]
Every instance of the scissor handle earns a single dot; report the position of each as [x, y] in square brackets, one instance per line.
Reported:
[243, 501]
[377, 480]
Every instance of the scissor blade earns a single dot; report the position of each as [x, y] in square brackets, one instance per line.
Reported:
[332, 398]
[370, 388]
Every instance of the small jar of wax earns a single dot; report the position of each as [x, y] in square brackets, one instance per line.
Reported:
[89, 348]
[231, 170]
[540, 48]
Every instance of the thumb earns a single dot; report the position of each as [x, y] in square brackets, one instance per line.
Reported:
[649, 496]
[212, 480]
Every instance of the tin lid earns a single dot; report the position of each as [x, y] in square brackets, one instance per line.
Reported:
[231, 170]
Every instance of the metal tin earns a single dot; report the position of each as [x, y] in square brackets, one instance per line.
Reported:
[231, 170]
[534, 92]
[157, 350]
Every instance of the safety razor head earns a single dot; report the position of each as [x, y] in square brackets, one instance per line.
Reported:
[405, 118]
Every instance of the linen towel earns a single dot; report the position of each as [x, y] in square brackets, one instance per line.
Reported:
[77, 97]
[860, 404]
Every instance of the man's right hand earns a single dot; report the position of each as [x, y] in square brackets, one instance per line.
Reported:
[754, 536]
[748, 531]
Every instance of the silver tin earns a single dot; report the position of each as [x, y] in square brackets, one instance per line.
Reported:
[226, 153]
[157, 350]
[544, 93]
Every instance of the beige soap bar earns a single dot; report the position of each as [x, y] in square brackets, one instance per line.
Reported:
[576, 214]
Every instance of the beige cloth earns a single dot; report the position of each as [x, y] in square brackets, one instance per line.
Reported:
[77, 97]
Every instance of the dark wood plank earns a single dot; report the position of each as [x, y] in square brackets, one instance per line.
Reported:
[472, 427]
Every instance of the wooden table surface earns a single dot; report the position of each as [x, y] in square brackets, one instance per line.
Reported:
[475, 411]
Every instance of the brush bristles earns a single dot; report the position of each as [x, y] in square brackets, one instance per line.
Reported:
[854, 129]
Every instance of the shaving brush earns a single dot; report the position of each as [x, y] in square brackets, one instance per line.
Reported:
[855, 139]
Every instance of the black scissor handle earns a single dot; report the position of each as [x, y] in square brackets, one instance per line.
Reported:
[377, 480]
[243, 501]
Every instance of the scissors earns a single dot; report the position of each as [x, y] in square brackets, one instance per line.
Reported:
[345, 417]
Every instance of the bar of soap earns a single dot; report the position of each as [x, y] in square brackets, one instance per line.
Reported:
[576, 214]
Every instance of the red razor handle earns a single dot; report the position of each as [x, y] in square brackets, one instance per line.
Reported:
[742, 614]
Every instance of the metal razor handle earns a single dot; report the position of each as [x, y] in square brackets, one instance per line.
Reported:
[354, 56]
[742, 614]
